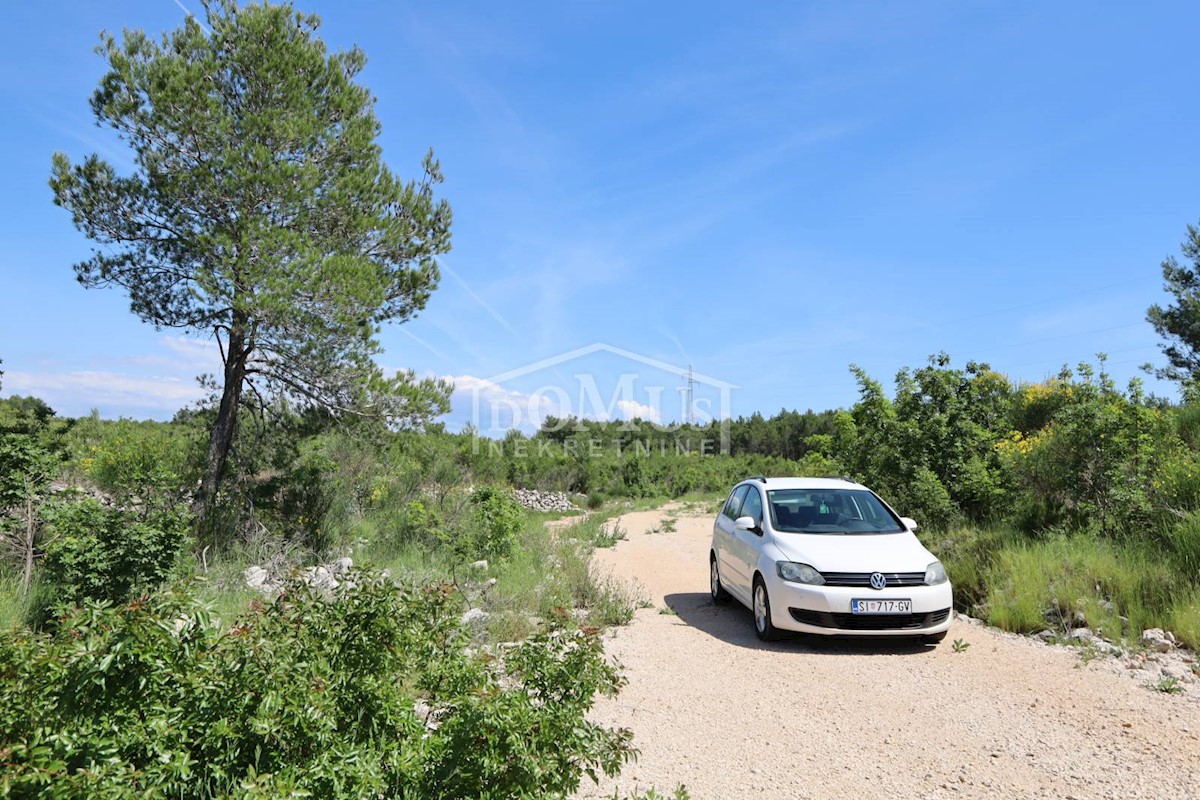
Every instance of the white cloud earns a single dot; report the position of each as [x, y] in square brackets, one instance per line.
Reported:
[631, 409]
[495, 409]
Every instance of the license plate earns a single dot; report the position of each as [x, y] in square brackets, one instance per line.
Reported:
[881, 606]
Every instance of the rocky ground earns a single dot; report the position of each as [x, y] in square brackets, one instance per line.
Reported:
[1002, 715]
[539, 500]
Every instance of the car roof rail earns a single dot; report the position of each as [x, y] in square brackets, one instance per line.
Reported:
[761, 478]
[845, 478]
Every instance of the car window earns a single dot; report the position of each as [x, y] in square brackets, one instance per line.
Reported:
[831, 511]
[735, 502]
[752, 507]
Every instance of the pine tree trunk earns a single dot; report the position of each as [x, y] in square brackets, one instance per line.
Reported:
[223, 431]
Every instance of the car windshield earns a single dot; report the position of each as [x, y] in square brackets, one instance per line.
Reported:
[830, 511]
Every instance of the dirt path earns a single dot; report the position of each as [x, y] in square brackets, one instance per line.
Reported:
[729, 717]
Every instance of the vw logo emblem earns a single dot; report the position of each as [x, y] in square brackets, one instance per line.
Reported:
[877, 580]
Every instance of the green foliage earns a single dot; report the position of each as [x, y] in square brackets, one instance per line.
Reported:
[103, 553]
[148, 464]
[371, 693]
[30, 456]
[488, 531]
[603, 533]
[930, 451]
[960, 645]
[1095, 461]
[25, 469]
[497, 517]
[1166, 685]
[1179, 323]
[260, 212]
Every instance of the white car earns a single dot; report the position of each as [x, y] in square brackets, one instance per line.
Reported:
[826, 556]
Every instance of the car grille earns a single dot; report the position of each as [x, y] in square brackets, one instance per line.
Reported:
[870, 622]
[863, 579]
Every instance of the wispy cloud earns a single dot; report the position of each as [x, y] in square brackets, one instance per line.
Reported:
[75, 392]
[423, 343]
[203, 27]
[493, 313]
[157, 383]
[54, 120]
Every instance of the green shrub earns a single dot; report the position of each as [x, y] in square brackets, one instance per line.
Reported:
[100, 553]
[140, 462]
[372, 693]
[415, 521]
[595, 500]
[492, 530]
[925, 499]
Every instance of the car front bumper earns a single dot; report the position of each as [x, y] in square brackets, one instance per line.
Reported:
[825, 610]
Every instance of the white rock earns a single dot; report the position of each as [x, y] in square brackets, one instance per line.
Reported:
[341, 566]
[259, 580]
[1156, 640]
[1082, 635]
[481, 565]
[475, 615]
[319, 578]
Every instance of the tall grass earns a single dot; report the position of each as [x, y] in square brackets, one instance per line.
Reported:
[1027, 585]
[1184, 540]
[19, 608]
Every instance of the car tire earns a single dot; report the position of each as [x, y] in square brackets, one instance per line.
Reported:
[934, 638]
[761, 608]
[719, 595]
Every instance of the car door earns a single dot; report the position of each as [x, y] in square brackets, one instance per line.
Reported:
[746, 545]
[725, 539]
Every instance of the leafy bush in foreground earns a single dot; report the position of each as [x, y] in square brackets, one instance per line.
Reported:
[372, 693]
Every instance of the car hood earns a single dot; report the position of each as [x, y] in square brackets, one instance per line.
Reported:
[890, 552]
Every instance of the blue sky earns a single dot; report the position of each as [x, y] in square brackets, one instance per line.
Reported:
[767, 194]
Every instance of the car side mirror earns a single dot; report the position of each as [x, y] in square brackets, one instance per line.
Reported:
[746, 524]
[909, 523]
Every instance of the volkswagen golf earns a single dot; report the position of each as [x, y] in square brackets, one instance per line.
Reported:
[826, 556]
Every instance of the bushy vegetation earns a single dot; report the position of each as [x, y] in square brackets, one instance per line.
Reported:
[374, 692]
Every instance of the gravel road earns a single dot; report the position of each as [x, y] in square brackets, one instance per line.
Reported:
[729, 717]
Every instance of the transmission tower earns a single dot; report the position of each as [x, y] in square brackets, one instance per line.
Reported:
[691, 396]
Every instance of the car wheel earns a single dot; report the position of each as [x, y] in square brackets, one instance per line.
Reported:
[763, 626]
[719, 595]
[934, 638]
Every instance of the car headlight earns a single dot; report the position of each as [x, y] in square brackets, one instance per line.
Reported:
[798, 573]
[935, 573]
